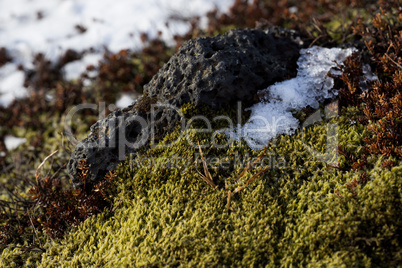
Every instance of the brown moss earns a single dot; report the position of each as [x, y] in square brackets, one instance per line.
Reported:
[382, 102]
[59, 208]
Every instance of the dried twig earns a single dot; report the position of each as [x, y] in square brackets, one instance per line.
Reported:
[397, 64]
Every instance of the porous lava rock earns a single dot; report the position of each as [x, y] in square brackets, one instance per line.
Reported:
[215, 71]
[224, 69]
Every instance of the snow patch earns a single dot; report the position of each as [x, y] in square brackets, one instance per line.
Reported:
[28, 27]
[11, 84]
[273, 116]
[74, 69]
[12, 142]
[124, 101]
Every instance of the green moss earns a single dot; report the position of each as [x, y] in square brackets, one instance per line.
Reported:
[18, 257]
[291, 216]
[303, 212]
[339, 25]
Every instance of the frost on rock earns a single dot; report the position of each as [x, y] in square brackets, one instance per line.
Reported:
[312, 85]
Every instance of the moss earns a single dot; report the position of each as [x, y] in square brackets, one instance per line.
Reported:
[344, 212]
[291, 216]
[29, 155]
[18, 257]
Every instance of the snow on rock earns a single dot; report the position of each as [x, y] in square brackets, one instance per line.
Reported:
[273, 116]
[124, 101]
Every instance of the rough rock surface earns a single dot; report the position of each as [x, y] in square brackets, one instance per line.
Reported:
[216, 71]
[224, 69]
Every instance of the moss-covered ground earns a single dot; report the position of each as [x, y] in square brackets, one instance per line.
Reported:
[302, 212]
[157, 210]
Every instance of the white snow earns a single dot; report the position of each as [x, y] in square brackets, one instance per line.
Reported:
[11, 84]
[273, 116]
[125, 100]
[112, 24]
[74, 69]
[293, 9]
[12, 142]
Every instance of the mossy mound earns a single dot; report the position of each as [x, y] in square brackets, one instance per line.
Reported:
[302, 212]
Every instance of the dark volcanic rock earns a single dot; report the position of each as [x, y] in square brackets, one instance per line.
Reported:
[224, 69]
[216, 71]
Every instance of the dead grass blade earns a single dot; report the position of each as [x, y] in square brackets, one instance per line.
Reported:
[250, 166]
[229, 200]
[43, 162]
[253, 178]
[207, 177]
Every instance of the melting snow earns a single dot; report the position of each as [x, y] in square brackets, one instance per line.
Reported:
[273, 115]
